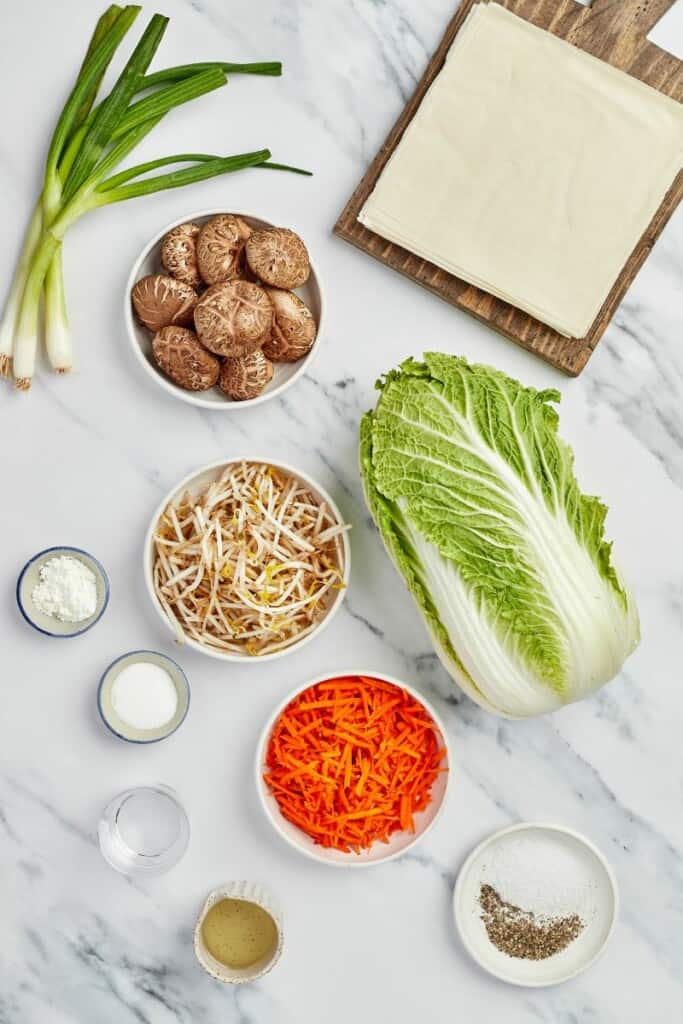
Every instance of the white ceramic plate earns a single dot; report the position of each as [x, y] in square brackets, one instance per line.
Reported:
[582, 877]
[149, 262]
[196, 483]
[378, 853]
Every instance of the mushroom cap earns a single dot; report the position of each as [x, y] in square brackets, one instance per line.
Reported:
[233, 318]
[161, 301]
[246, 376]
[294, 328]
[278, 257]
[182, 357]
[220, 247]
[179, 254]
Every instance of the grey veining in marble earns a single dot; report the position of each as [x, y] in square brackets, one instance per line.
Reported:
[86, 459]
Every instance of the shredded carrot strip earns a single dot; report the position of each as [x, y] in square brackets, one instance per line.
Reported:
[352, 760]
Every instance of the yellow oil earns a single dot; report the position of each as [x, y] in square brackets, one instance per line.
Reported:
[238, 933]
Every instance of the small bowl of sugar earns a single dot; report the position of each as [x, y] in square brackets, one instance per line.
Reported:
[143, 697]
[62, 591]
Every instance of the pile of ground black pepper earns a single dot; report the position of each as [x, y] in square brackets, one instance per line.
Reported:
[520, 933]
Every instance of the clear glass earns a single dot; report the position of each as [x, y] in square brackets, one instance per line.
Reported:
[144, 831]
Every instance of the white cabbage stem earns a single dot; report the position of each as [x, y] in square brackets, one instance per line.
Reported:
[9, 319]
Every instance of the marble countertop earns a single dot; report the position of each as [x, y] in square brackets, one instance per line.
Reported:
[87, 458]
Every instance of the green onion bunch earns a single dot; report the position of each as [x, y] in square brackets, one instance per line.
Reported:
[89, 142]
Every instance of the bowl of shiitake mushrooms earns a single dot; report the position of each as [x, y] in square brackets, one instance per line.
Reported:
[224, 310]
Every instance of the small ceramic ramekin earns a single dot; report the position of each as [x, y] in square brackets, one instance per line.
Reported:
[250, 892]
[379, 853]
[49, 625]
[285, 375]
[116, 724]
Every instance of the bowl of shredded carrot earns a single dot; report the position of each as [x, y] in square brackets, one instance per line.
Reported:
[353, 769]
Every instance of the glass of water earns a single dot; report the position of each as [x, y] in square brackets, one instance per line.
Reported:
[144, 831]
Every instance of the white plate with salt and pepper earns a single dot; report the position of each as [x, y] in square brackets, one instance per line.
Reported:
[535, 904]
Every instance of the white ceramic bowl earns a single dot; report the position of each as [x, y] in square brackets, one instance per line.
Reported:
[584, 880]
[378, 853]
[197, 482]
[250, 892]
[149, 262]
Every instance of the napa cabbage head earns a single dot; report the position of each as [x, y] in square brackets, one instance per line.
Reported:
[476, 501]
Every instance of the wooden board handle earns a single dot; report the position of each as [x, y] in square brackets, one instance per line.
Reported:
[636, 17]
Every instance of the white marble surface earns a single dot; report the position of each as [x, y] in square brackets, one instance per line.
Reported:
[86, 459]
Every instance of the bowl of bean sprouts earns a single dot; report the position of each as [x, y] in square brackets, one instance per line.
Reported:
[246, 559]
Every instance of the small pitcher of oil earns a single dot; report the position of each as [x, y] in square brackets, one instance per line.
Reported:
[238, 936]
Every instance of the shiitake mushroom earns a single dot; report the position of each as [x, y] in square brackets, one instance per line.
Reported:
[179, 254]
[233, 318]
[182, 357]
[220, 248]
[294, 328]
[278, 257]
[246, 376]
[161, 301]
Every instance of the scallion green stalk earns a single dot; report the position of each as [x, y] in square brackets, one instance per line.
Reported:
[177, 179]
[163, 100]
[272, 67]
[88, 77]
[160, 78]
[110, 112]
[104, 24]
[151, 165]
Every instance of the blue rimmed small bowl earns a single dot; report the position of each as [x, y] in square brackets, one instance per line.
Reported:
[50, 625]
[111, 719]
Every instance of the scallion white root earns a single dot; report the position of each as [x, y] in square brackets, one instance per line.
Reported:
[28, 325]
[57, 335]
[9, 318]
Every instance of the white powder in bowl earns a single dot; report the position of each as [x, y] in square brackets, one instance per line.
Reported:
[144, 696]
[67, 589]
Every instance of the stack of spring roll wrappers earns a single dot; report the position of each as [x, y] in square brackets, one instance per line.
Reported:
[530, 170]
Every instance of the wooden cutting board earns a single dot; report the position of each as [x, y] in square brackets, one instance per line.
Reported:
[615, 31]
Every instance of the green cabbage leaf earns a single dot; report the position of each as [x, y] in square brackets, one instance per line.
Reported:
[474, 495]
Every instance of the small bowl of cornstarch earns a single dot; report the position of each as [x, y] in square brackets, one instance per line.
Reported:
[62, 591]
[143, 697]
